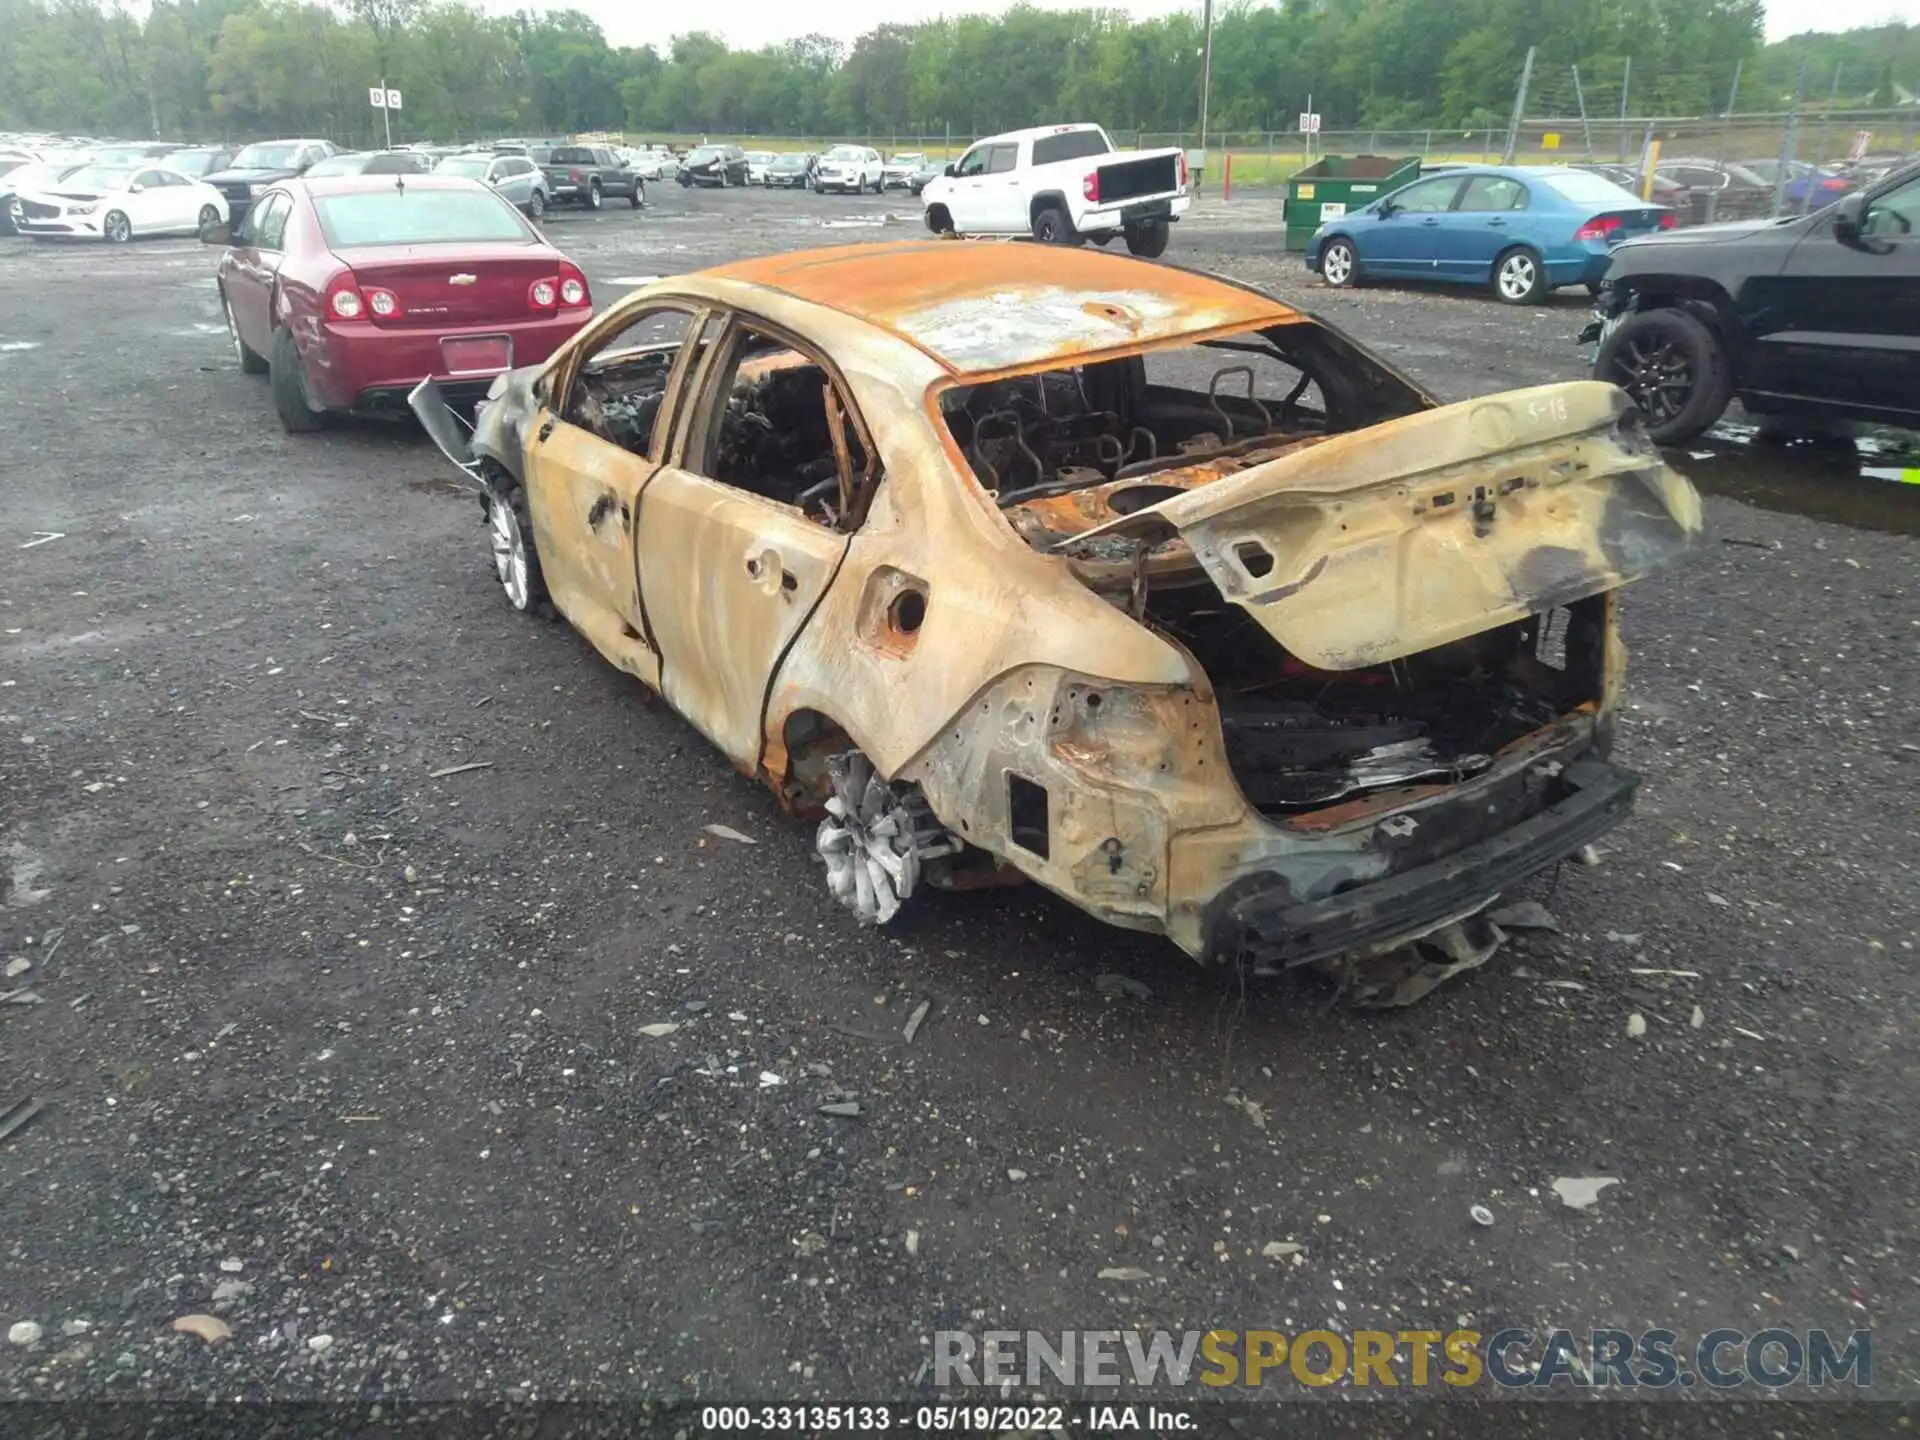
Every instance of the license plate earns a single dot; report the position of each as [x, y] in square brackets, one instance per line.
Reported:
[1150, 210]
[474, 354]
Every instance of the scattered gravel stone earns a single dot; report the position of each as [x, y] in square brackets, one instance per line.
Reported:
[319, 1344]
[23, 1332]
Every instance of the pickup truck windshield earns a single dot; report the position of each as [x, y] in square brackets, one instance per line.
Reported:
[1074, 145]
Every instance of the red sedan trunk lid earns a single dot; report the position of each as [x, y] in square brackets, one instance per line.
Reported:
[441, 286]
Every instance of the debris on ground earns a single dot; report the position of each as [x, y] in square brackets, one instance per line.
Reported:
[1524, 915]
[768, 1080]
[1124, 1272]
[1588, 855]
[1697, 1019]
[74, 1329]
[19, 965]
[1636, 1025]
[441, 775]
[1480, 1215]
[811, 1243]
[1016, 1176]
[1410, 973]
[727, 832]
[232, 1265]
[210, 1328]
[913, 1242]
[1624, 937]
[1111, 984]
[913, 1020]
[847, 1109]
[18, 1115]
[23, 1332]
[231, 1290]
[44, 537]
[1280, 1249]
[659, 1029]
[21, 997]
[1253, 1109]
[1577, 1192]
[320, 1344]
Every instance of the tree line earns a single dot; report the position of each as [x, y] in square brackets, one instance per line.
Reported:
[251, 68]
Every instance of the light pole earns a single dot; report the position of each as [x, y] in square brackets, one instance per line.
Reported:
[1206, 71]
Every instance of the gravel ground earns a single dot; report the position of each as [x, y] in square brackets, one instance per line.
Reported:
[352, 1057]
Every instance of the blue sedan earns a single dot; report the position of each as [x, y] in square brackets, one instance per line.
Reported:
[1521, 230]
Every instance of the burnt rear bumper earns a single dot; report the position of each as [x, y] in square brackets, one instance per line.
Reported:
[1266, 925]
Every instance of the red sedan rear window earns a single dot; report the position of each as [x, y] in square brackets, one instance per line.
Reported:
[417, 217]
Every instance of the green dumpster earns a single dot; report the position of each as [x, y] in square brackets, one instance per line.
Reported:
[1331, 186]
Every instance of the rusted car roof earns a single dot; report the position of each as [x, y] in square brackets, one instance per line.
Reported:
[982, 307]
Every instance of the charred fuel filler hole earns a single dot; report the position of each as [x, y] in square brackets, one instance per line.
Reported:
[1069, 450]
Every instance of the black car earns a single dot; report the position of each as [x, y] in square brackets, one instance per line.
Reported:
[198, 161]
[258, 168]
[932, 170]
[372, 162]
[1816, 316]
[792, 171]
[714, 165]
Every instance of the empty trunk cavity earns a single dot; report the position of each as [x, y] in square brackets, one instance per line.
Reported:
[1299, 739]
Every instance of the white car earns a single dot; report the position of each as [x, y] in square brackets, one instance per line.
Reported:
[656, 162]
[757, 163]
[118, 202]
[900, 170]
[852, 168]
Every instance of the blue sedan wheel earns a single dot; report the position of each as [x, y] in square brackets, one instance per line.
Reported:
[1339, 266]
[1519, 278]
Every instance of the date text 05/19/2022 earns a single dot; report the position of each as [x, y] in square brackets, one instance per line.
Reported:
[942, 1419]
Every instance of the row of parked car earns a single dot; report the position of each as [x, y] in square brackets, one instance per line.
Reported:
[1814, 315]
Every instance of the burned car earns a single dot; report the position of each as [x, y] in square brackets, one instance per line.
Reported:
[1016, 561]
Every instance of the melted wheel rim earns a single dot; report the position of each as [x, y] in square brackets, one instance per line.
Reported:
[509, 551]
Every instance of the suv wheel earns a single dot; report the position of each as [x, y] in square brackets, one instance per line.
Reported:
[1673, 369]
[537, 204]
[593, 196]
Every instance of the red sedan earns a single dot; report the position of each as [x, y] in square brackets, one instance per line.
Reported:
[349, 292]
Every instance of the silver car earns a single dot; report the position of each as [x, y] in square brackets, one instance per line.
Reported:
[517, 178]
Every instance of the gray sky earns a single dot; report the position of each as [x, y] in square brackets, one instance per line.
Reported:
[750, 23]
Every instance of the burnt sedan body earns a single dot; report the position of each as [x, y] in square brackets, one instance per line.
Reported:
[1015, 561]
[347, 292]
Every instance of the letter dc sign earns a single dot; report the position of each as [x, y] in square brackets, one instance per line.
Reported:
[383, 99]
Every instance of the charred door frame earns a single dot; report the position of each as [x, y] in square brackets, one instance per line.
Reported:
[558, 386]
[703, 395]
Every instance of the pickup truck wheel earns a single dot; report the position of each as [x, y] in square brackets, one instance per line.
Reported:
[537, 204]
[1672, 368]
[1339, 265]
[1520, 277]
[593, 196]
[1052, 227]
[287, 375]
[938, 220]
[1149, 241]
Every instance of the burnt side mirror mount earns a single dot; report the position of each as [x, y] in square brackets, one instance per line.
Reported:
[216, 235]
[1848, 217]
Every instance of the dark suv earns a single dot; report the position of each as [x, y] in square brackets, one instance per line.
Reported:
[1815, 316]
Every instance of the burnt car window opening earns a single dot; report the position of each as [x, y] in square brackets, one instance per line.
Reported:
[1136, 418]
[619, 390]
[1074, 145]
[418, 217]
[783, 431]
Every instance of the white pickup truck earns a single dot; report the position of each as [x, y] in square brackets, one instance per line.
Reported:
[1061, 184]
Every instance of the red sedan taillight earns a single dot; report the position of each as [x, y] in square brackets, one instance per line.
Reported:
[1598, 228]
[343, 300]
[565, 291]
[1669, 220]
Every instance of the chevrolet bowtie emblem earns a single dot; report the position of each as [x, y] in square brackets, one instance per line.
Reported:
[463, 279]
